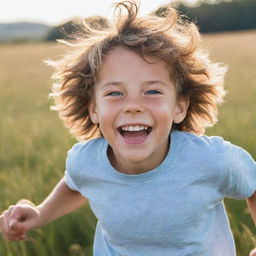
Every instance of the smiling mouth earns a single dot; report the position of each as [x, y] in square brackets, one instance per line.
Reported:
[134, 131]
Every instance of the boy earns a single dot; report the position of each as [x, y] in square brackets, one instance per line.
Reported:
[154, 182]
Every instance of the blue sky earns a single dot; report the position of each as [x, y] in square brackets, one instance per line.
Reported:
[55, 12]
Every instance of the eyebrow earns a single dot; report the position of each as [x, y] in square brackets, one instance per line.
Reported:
[155, 82]
[111, 83]
[149, 82]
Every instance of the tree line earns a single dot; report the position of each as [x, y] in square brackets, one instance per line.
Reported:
[221, 16]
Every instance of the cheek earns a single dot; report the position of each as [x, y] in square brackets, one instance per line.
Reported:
[164, 115]
[106, 114]
[106, 106]
[162, 109]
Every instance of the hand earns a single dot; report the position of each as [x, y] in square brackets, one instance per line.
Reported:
[253, 252]
[18, 219]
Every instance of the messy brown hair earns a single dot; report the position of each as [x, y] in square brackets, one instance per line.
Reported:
[170, 38]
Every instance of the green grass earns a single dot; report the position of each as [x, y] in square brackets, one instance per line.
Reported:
[34, 141]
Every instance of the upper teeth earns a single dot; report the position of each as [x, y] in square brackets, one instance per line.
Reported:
[132, 128]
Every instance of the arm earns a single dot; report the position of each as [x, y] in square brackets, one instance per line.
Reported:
[251, 202]
[20, 218]
[61, 201]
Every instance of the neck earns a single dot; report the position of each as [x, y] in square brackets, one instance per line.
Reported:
[138, 167]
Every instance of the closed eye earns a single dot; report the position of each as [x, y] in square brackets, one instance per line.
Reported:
[114, 93]
[152, 92]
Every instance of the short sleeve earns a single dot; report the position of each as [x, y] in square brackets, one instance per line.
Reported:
[68, 172]
[240, 172]
[69, 181]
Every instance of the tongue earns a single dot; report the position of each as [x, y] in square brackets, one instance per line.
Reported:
[135, 137]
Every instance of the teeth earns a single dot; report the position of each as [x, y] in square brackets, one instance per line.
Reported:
[132, 128]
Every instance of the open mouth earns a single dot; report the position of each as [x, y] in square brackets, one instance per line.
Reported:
[133, 131]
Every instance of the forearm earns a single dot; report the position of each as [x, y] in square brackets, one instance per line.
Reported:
[61, 201]
[251, 202]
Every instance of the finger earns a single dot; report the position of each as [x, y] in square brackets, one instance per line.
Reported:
[12, 224]
[25, 201]
[21, 218]
[6, 232]
[2, 216]
[14, 236]
[18, 229]
[9, 229]
[9, 237]
[5, 223]
[10, 209]
[17, 214]
[1, 223]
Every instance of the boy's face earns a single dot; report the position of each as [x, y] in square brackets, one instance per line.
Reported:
[135, 106]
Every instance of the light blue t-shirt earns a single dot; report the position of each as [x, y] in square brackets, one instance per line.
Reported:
[175, 209]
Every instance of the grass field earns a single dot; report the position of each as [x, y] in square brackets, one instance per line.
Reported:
[33, 141]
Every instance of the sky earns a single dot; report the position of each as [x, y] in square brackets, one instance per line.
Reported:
[55, 12]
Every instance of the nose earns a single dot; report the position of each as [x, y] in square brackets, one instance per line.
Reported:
[133, 105]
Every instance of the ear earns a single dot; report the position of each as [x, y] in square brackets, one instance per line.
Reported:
[181, 110]
[93, 112]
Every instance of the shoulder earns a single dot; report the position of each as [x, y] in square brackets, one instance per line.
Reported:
[213, 148]
[82, 159]
[203, 143]
[210, 152]
[80, 147]
[89, 146]
[84, 151]
[231, 166]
